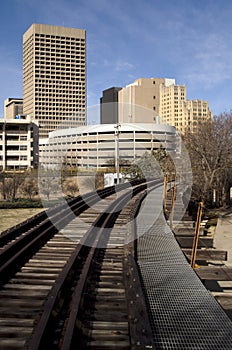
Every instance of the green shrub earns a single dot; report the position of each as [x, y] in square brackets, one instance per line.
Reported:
[21, 203]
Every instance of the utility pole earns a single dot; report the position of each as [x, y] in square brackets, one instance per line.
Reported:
[117, 150]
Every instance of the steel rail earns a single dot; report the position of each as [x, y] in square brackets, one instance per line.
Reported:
[86, 250]
[13, 232]
[139, 327]
[15, 254]
[95, 238]
[51, 214]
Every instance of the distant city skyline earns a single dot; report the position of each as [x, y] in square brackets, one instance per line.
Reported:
[188, 41]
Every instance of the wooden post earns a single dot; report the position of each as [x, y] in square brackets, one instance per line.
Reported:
[172, 205]
[196, 235]
[165, 192]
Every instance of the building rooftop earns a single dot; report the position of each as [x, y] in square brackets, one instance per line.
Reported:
[104, 128]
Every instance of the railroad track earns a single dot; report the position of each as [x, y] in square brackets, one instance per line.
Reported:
[19, 242]
[77, 205]
[63, 287]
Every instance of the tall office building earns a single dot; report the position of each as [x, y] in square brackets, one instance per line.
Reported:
[171, 106]
[54, 76]
[185, 115]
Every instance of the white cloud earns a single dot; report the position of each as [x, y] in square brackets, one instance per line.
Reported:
[123, 66]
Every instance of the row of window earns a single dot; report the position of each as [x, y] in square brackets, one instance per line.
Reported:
[40, 82]
[69, 43]
[59, 70]
[58, 64]
[59, 48]
[16, 137]
[56, 37]
[64, 119]
[16, 158]
[67, 73]
[16, 147]
[42, 54]
[59, 99]
[109, 148]
[62, 102]
[59, 91]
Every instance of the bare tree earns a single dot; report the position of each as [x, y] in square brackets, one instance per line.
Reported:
[210, 150]
[2, 184]
[123, 164]
[49, 181]
[152, 164]
[70, 187]
[30, 186]
[11, 184]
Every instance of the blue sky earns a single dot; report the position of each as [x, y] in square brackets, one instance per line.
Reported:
[188, 40]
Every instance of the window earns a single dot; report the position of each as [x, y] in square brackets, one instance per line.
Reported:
[23, 138]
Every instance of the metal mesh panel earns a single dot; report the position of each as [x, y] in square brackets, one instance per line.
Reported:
[159, 276]
[183, 314]
[165, 248]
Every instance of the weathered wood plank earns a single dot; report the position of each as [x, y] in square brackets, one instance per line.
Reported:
[214, 273]
[188, 224]
[225, 299]
[187, 242]
[186, 231]
[207, 254]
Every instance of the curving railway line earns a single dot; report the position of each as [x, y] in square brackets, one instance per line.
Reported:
[20, 242]
[48, 278]
[94, 274]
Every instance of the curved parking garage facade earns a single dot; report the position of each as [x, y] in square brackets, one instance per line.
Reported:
[94, 146]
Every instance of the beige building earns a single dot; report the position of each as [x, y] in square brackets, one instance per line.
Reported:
[196, 111]
[150, 100]
[139, 102]
[171, 102]
[54, 76]
[176, 110]
[18, 143]
[13, 107]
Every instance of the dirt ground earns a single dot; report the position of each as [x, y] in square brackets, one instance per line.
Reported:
[12, 217]
[223, 235]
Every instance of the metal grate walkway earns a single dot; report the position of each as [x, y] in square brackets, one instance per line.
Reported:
[183, 314]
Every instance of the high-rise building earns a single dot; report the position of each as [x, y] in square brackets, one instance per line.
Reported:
[139, 102]
[175, 109]
[195, 112]
[54, 76]
[171, 107]
[151, 100]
